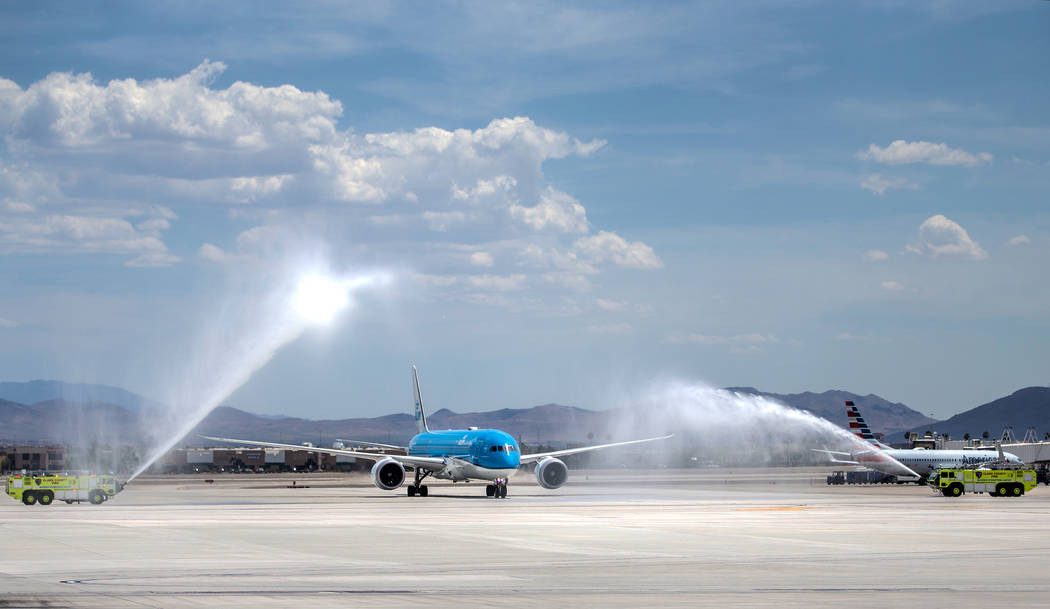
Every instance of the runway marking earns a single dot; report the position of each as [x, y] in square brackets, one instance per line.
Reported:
[777, 508]
[968, 505]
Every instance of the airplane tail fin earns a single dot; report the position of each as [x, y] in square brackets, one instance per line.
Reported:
[833, 456]
[421, 417]
[858, 427]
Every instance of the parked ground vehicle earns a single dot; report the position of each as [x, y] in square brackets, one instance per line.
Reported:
[996, 482]
[864, 476]
[45, 488]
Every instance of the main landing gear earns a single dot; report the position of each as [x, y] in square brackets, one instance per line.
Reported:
[497, 490]
[416, 488]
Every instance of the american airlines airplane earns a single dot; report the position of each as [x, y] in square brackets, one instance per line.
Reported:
[919, 461]
[456, 454]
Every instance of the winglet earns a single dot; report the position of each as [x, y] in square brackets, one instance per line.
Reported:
[421, 417]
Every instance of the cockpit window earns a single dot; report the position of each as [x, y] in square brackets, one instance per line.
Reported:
[506, 448]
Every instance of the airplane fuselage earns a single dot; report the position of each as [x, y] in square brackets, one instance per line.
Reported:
[923, 462]
[480, 454]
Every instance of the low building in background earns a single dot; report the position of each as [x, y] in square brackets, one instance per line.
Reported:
[36, 458]
[193, 460]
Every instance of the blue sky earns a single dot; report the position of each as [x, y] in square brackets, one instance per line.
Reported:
[571, 201]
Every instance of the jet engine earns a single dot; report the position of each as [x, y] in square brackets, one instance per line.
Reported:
[388, 474]
[551, 473]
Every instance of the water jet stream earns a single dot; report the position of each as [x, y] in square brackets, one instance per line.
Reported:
[244, 338]
[741, 426]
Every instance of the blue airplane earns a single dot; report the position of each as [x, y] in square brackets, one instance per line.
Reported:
[456, 454]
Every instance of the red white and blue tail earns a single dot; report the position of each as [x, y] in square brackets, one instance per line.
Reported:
[859, 427]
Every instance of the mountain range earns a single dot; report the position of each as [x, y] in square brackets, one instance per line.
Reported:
[1024, 408]
[122, 417]
[881, 414]
[34, 392]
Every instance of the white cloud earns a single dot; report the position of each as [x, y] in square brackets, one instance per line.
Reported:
[753, 338]
[261, 237]
[75, 234]
[940, 236]
[7, 323]
[619, 306]
[556, 210]
[71, 110]
[1019, 239]
[132, 151]
[18, 207]
[879, 184]
[153, 260]
[441, 221]
[901, 152]
[502, 283]
[484, 188]
[153, 225]
[211, 253]
[255, 187]
[481, 259]
[540, 257]
[437, 281]
[611, 305]
[571, 281]
[609, 328]
[876, 255]
[893, 286]
[612, 247]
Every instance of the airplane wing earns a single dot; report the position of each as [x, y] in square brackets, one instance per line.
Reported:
[372, 444]
[583, 449]
[430, 463]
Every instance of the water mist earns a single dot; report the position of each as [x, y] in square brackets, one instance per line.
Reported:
[738, 428]
[261, 315]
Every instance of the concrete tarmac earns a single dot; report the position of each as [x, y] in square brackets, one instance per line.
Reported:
[666, 538]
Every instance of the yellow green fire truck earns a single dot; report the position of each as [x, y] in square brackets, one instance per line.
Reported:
[996, 482]
[46, 488]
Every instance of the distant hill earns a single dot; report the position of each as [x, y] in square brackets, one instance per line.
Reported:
[547, 423]
[33, 392]
[66, 422]
[1028, 407]
[74, 422]
[886, 417]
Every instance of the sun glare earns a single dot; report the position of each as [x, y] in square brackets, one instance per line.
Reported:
[319, 299]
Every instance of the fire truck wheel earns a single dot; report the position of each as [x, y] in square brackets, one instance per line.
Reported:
[955, 489]
[46, 498]
[69, 502]
[1001, 490]
[29, 498]
[1017, 490]
[96, 497]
